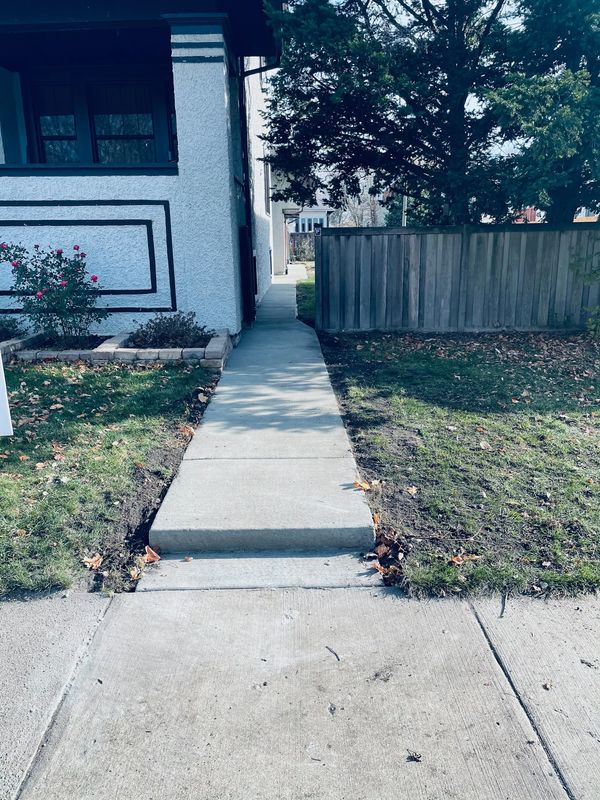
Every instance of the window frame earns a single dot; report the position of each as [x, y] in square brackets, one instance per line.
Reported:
[161, 87]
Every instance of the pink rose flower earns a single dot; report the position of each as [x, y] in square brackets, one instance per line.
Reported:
[45, 289]
[4, 246]
[75, 247]
[82, 255]
[64, 283]
[93, 278]
[39, 295]
[15, 264]
[59, 252]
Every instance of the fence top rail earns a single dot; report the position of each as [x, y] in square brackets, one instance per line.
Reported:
[533, 227]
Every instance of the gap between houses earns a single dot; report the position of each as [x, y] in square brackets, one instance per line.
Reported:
[545, 744]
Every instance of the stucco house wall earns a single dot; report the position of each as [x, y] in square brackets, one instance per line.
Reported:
[158, 242]
[259, 180]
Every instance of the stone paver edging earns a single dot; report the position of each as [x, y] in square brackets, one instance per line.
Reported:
[213, 356]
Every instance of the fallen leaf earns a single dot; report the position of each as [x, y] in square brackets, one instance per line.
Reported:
[485, 445]
[364, 485]
[150, 555]
[376, 565]
[547, 686]
[376, 518]
[412, 490]
[135, 574]
[412, 756]
[188, 558]
[23, 458]
[56, 406]
[93, 562]
[460, 559]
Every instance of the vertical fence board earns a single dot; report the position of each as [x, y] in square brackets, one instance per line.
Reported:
[527, 277]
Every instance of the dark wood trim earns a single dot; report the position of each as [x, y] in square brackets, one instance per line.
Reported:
[27, 170]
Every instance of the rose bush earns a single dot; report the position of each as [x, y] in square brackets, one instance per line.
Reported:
[56, 293]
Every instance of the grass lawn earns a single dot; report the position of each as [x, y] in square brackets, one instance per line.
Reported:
[488, 452]
[93, 451]
[305, 296]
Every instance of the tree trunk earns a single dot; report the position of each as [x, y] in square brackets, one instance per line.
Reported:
[563, 206]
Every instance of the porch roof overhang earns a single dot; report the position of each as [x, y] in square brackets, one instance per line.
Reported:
[251, 34]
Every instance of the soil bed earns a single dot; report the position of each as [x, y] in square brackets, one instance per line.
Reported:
[68, 342]
[481, 456]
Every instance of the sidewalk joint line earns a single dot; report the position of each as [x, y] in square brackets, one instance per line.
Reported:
[60, 702]
[545, 744]
[268, 458]
[311, 588]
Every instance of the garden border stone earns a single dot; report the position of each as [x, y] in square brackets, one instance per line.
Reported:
[213, 356]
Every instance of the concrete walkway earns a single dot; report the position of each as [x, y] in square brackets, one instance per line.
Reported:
[271, 465]
[294, 675]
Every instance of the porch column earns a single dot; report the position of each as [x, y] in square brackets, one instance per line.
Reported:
[207, 257]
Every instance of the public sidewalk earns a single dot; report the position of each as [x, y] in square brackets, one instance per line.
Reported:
[293, 674]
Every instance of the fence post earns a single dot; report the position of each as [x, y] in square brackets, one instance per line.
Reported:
[318, 278]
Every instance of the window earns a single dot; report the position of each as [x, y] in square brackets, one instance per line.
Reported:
[101, 117]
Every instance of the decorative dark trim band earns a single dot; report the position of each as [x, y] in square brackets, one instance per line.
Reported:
[25, 170]
[197, 59]
[195, 45]
[107, 222]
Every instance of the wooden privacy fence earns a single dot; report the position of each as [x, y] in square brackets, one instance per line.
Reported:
[527, 277]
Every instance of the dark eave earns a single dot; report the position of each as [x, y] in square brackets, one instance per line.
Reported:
[250, 31]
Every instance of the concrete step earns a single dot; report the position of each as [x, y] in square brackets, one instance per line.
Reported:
[271, 569]
[263, 504]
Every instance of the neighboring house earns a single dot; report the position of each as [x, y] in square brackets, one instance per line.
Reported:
[132, 129]
[290, 219]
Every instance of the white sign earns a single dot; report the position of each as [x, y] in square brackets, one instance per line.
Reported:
[5, 423]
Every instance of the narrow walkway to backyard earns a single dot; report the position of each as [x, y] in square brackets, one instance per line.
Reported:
[270, 467]
[285, 670]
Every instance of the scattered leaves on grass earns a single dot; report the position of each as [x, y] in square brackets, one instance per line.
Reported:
[93, 562]
[388, 553]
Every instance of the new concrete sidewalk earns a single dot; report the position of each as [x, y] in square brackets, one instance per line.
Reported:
[294, 675]
[270, 466]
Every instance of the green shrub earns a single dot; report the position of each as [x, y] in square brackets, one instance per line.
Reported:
[10, 328]
[171, 330]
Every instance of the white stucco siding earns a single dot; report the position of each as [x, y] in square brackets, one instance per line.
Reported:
[200, 201]
[263, 234]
